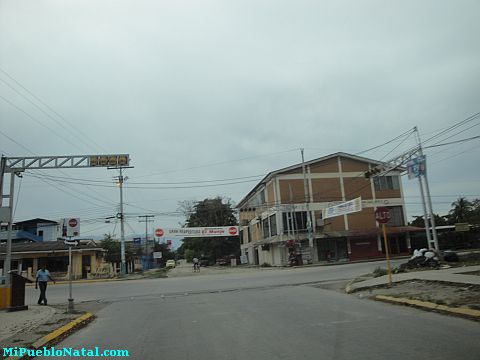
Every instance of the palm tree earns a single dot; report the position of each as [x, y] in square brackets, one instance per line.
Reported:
[461, 210]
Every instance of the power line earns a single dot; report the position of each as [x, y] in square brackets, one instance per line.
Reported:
[454, 126]
[408, 132]
[219, 163]
[453, 142]
[77, 130]
[38, 121]
[153, 183]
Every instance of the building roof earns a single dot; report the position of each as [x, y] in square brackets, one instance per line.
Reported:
[272, 174]
[35, 221]
[49, 246]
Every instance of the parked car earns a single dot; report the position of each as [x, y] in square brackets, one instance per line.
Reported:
[223, 261]
[170, 264]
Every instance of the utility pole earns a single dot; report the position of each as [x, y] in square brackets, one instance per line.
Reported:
[307, 206]
[429, 200]
[120, 180]
[146, 221]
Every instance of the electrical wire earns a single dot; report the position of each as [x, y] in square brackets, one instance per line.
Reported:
[454, 126]
[39, 122]
[408, 132]
[61, 123]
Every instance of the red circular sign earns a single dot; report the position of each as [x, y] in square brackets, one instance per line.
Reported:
[159, 232]
[72, 222]
[232, 230]
[382, 215]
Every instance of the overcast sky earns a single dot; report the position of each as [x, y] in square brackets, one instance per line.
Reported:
[227, 89]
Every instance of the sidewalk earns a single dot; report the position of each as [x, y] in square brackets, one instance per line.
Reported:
[17, 321]
[453, 275]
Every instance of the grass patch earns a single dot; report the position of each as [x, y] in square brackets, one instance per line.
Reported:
[158, 273]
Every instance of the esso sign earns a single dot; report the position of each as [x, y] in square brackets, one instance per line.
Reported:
[382, 215]
[72, 222]
[159, 232]
[232, 230]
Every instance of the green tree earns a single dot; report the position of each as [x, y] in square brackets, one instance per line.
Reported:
[439, 221]
[167, 254]
[112, 249]
[210, 212]
[461, 211]
[474, 216]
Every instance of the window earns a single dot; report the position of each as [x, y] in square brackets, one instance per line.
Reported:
[40, 233]
[396, 216]
[257, 199]
[249, 235]
[273, 225]
[386, 183]
[266, 230]
[297, 222]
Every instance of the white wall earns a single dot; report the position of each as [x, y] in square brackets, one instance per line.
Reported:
[50, 231]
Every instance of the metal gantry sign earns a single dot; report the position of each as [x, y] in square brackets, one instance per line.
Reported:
[18, 164]
[15, 165]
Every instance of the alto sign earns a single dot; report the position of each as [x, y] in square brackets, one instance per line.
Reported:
[382, 215]
[71, 227]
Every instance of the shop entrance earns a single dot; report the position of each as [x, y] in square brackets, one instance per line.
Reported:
[332, 249]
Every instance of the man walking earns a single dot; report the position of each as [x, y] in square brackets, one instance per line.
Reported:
[42, 279]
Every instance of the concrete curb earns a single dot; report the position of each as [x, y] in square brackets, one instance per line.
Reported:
[465, 312]
[58, 334]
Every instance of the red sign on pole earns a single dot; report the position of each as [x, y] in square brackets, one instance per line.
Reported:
[72, 222]
[382, 215]
[232, 230]
[158, 232]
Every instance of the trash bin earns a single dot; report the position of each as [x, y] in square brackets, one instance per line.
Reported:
[17, 292]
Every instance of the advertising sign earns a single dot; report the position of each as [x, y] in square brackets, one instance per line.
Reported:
[157, 255]
[347, 207]
[109, 160]
[200, 231]
[416, 167]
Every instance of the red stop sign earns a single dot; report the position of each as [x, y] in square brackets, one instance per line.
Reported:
[232, 230]
[159, 232]
[72, 222]
[382, 215]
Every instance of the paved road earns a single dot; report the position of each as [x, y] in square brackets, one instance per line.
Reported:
[108, 291]
[288, 322]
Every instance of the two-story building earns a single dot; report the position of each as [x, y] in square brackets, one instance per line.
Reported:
[33, 230]
[274, 213]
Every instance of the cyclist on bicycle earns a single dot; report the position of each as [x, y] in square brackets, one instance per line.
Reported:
[196, 265]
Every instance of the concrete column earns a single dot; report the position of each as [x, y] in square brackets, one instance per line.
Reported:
[35, 266]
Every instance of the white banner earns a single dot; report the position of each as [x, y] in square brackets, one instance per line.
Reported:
[347, 207]
[202, 231]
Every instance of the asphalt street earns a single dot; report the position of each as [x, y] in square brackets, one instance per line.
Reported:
[264, 315]
[107, 291]
[294, 322]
